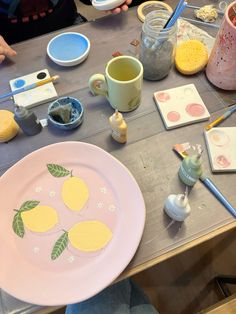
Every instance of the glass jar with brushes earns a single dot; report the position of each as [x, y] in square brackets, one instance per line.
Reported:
[157, 45]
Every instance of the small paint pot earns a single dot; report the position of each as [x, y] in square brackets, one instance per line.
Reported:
[76, 116]
[68, 49]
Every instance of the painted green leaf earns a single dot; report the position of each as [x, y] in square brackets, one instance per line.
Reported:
[28, 205]
[60, 246]
[57, 171]
[18, 225]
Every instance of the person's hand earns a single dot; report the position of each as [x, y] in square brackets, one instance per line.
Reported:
[5, 50]
[123, 7]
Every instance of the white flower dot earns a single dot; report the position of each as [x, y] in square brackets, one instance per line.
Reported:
[36, 250]
[38, 189]
[112, 208]
[52, 193]
[103, 190]
[71, 259]
[99, 205]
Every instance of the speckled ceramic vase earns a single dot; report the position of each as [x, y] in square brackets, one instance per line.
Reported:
[221, 67]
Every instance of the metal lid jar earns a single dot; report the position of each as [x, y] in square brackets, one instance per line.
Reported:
[157, 47]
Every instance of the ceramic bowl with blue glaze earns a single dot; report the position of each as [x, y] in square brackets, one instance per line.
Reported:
[106, 4]
[76, 116]
[68, 49]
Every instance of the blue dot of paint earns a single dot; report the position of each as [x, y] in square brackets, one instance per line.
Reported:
[19, 83]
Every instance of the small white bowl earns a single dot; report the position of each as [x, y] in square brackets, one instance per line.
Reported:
[68, 49]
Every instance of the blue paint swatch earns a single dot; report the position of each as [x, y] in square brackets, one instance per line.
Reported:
[19, 83]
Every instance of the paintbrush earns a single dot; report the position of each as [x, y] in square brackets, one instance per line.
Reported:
[181, 152]
[200, 22]
[221, 118]
[169, 23]
[176, 13]
[31, 86]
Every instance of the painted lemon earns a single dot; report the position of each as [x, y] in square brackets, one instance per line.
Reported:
[75, 193]
[89, 236]
[40, 218]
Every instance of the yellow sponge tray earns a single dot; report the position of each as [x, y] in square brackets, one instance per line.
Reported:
[8, 127]
[191, 57]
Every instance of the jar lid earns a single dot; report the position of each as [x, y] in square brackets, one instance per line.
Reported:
[149, 6]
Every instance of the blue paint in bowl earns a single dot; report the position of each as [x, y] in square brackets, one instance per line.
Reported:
[68, 49]
[77, 113]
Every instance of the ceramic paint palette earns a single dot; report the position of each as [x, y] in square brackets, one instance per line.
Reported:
[106, 4]
[221, 146]
[35, 96]
[181, 106]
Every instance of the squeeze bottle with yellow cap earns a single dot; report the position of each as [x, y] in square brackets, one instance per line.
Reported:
[191, 169]
[118, 127]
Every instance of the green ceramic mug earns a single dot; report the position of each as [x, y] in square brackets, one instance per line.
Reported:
[121, 84]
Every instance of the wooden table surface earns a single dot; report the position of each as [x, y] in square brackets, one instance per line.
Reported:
[148, 153]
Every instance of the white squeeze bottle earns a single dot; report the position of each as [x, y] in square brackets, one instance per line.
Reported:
[177, 206]
[118, 127]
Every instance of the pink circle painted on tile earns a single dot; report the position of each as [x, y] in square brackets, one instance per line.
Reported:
[219, 138]
[173, 116]
[222, 161]
[195, 110]
[163, 96]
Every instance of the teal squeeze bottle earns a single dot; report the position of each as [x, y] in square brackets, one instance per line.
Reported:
[191, 169]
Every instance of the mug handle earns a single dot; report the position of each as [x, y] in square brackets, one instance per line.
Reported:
[98, 84]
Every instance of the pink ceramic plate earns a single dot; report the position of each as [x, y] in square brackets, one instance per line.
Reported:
[43, 261]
